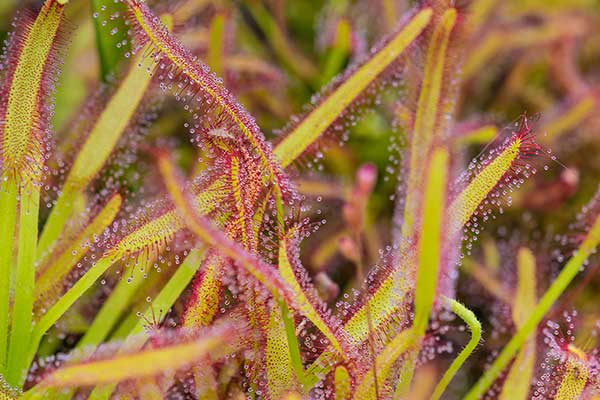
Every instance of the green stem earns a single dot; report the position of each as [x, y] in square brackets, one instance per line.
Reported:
[114, 307]
[65, 302]
[554, 291]
[290, 330]
[57, 220]
[475, 327]
[163, 302]
[22, 313]
[8, 216]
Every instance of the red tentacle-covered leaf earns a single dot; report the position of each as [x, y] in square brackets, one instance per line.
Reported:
[205, 231]
[28, 70]
[167, 353]
[309, 303]
[201, 90]
[203, 304]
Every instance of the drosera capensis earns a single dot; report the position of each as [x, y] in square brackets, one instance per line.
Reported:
[389, 296]
[428, 125]
[319, 120]
[498, 169]
[567, 274]
[193, 230]
[206, 232]
[200, 81]
[31, 62]
[518, 380]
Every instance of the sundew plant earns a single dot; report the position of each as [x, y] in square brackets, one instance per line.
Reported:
[299, 199]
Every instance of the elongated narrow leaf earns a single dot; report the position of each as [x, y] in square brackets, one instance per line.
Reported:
[172, 290]
[65, 302]
[575, 377]
[204, 303]
[430, 241]
[8, 215]
[308, 302]
[28, 81]
[427, 126]
[398, 346]
[150, 237]
[29, 75]
[100, 143]
[162, 303]
[569, 117]
[24, 277]
[518, 382]
[280, 374]
[588, 246]
[213, 237]
[342, 383]
[319, 119]
[216, 57]
[137, 365]
[468, 201]
[428, 257]
[50, 276]
[510, 38]
[116, 304]
[150, 30]
[284, 49]
[393, 290]
[109, 53]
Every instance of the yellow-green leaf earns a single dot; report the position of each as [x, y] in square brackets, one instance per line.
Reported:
[319, 119]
